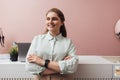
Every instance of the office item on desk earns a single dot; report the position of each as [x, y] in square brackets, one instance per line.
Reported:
[2, 38]
[13, 52]
[117, 70]
[117, 29]
[22, 50]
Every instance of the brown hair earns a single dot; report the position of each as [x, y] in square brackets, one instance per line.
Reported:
[62, 18]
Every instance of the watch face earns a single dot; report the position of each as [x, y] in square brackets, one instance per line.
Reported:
[46, 63]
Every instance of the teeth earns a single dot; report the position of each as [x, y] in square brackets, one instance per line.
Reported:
[51, 25]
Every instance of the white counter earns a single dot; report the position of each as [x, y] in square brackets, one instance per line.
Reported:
[88, 59]
[90, 67]
[83, 59]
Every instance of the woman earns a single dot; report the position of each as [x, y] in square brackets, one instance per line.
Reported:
[52, 55]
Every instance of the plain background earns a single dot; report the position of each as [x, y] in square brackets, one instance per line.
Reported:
[90, 23]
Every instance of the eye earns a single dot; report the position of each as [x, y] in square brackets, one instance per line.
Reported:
[48, 18]
[54, 18]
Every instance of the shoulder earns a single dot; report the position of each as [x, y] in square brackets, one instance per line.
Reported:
[39, 37]
[67, 40]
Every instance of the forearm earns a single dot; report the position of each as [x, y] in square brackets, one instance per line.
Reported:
[48, 71]
[54, 66]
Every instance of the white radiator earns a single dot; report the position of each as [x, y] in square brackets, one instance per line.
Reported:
[95, 72]
[74, 79]
[14, 71]
[97, 79]
[16, 78]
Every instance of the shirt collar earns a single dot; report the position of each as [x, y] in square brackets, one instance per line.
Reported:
[50, 37]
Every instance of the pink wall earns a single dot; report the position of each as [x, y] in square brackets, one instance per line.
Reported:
[90, 23]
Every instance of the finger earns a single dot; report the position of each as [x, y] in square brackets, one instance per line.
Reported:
[32, 54]
[68, 57]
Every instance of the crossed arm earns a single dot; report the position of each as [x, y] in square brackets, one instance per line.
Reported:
[53, 66]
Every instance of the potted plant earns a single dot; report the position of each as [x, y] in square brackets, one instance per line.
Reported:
[13, 52]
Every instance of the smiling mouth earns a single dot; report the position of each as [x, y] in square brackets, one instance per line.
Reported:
[51, 26]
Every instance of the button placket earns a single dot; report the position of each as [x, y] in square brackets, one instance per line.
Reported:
[53, 41]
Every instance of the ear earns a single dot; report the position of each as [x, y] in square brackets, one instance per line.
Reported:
[62, 24]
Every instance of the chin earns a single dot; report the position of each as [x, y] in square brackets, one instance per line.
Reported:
[51, 29]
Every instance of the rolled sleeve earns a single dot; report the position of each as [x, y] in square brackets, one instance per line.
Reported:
[68, 66]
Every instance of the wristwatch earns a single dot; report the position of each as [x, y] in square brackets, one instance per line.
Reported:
[47, 61]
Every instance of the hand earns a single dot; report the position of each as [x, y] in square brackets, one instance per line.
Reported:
[32, 58]
[67, 57]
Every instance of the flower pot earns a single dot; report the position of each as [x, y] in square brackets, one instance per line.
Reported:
[14, 57]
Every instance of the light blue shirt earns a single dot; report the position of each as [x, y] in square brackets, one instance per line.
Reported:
[54, 49]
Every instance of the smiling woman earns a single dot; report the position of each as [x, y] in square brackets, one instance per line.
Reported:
[52, 55]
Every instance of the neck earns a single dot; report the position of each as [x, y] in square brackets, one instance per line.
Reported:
[54, 33]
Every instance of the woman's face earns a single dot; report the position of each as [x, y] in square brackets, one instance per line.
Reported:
[53, 22]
